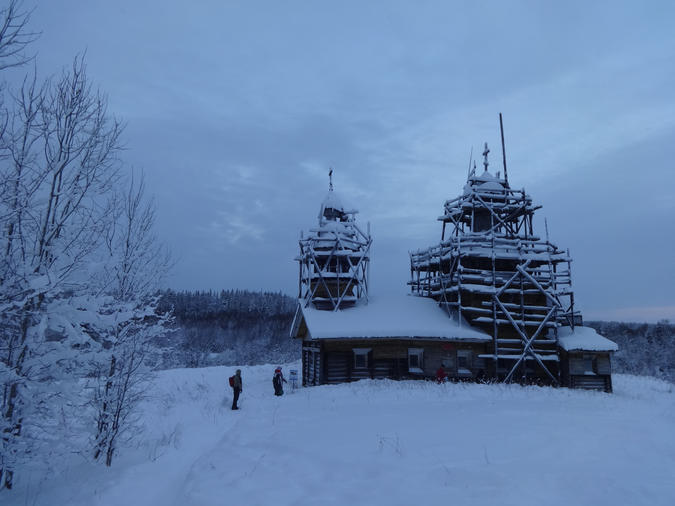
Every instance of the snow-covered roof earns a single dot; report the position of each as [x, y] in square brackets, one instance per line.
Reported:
[486, 176]
[332, 201]
[584, 339]
[491, 186]
[394, 317]
[485, 182]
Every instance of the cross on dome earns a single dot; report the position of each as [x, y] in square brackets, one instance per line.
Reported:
[485, 157]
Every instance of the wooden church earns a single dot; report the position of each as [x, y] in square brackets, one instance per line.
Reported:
[491, 301]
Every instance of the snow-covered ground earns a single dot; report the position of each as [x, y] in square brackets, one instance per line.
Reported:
[382, 442]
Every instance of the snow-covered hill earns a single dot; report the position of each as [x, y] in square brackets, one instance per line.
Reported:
[381, 442]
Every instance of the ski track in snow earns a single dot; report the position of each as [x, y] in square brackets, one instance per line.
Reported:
[381, 442]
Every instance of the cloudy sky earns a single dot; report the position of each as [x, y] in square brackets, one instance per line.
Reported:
[236, 110]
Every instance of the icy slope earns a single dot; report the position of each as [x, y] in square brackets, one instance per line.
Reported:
[384, 442]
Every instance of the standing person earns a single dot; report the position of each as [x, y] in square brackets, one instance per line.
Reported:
[278, 381]
[441, 376]
[236, 388]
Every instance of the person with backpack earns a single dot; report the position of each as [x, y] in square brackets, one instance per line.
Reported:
[278, 381]
[236, 384]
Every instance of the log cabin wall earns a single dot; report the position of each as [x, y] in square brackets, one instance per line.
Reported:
[354, 359]
[334, 361]
[312, 363]
[589, 370]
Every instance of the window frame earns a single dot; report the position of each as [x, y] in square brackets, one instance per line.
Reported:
[361, 352]
[590, 361]
[419, 353]
[466, 355]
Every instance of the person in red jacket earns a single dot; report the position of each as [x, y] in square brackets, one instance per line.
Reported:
[441, 376]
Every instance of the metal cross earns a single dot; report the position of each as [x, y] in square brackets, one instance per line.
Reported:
[485, 155]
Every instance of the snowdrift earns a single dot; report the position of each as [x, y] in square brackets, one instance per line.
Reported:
[380, 442]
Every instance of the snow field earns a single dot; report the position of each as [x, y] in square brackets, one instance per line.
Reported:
[383, 442]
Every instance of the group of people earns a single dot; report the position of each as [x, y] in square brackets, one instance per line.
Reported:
[278, 381]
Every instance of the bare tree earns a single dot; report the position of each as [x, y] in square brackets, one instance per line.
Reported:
[138, 263]
[22, 175]
[140, 260]
[14, 35]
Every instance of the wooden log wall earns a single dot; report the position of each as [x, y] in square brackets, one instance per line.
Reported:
[389, 359]
[312, 367]
[586, 369]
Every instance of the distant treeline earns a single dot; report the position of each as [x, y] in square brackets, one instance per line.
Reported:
[229, 327]
[233, 327]
[644, 348]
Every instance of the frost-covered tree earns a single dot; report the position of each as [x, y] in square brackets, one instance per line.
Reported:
[229, 327]
[136, 264]
[78, 261]
[59, 166]
[122, 373]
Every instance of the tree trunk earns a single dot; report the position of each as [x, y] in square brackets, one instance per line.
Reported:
[102, 434]
[109, 455]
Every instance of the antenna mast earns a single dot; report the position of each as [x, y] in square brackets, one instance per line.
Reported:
[501, 129]
[330, 179]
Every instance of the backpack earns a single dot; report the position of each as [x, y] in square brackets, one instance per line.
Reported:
[232, 381]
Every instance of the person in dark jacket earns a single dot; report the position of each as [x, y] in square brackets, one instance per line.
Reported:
[278, 382]
[236, 389]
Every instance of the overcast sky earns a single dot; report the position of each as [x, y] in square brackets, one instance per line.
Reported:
[236, 110]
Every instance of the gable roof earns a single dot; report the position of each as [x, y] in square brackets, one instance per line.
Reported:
[584, 339]
[393, 317]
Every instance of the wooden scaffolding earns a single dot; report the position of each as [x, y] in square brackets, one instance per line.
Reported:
[334, 258]
[491, 271]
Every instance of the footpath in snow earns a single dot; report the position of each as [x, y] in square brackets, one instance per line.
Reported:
[381, 442]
